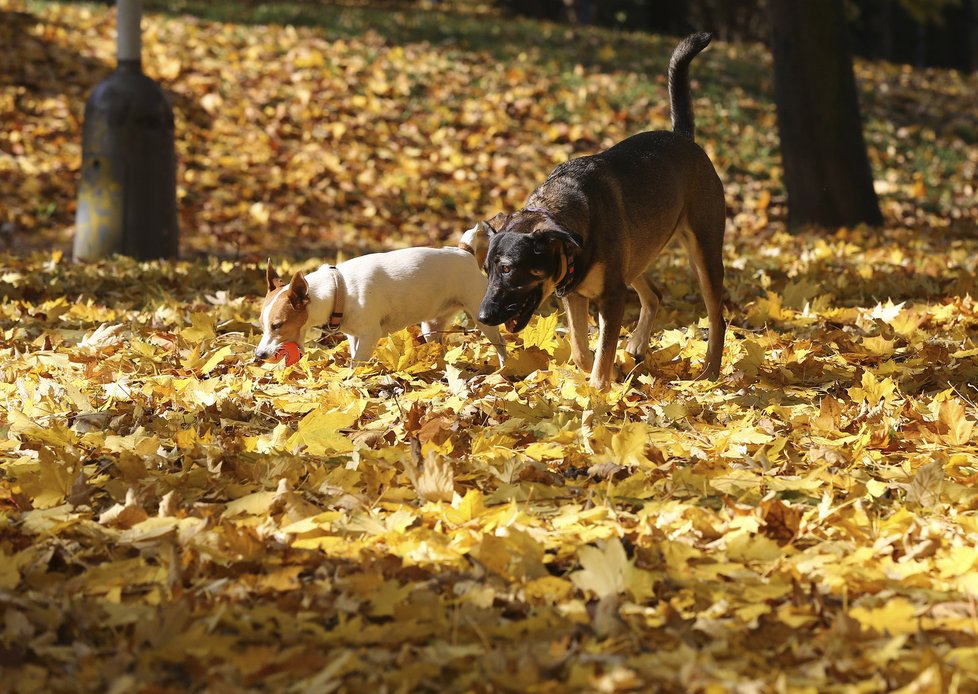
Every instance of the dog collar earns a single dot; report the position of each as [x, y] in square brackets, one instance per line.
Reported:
[565, 279]
[336, 317]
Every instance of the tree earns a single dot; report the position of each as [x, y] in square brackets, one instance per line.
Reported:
[826, 169]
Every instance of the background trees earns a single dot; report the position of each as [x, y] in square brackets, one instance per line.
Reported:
[938, 33]
[826, 171]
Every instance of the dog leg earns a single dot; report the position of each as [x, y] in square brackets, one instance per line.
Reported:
[705, 254]
[470, 305]
[362, 347]
[575, 306]
[496, 338]
[651, 297]
[432, 329]
[610, 311]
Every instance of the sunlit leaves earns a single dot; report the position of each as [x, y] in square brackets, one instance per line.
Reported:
[174, 514]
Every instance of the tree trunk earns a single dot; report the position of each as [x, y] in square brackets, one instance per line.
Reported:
[826, 170]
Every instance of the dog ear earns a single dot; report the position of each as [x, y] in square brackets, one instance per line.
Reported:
[480, 246]
[546, 237]
[273, 280]
[298, 291]
[497, 222]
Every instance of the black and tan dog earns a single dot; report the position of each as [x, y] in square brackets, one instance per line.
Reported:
[597, 222]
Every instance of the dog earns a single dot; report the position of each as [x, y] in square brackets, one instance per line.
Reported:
[597, 222]
[370, 296]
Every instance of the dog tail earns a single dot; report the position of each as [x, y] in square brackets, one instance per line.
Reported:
[680, 101]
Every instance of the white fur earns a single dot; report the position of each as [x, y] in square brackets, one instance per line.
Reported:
[386, 292]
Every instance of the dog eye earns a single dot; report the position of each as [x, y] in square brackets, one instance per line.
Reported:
[505, 269]
[276, 326]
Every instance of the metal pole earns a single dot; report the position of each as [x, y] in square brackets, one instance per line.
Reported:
[127, 193]
[129, 41]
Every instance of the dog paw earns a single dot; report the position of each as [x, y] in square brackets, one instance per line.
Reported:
[709, 374]
[637, 351]
[637, 346]
[585, 362]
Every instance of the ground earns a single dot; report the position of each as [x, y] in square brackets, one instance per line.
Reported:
[176, 516]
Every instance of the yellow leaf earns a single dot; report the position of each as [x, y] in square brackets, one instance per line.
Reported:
[763, 200]
[798, 293]
[124, 515]
[522, 362]
[465, 508]
[886, 312]
[388, 596]
[168, 68]
[794, 617]
[878, 346]
[747, 434]
[251, 504]
[542, 333]
[319, 431]
[542, 450]
[201, 327]
[895, 616]
[603, 568]
[433, 478]
[514, 555]
[628, 445]
[215, 359]
[767, 309]
[873, 391]
[918, 189]
[750, 548]
[876, 489]
[752, 362]
[959, 429]
[958, 561]
[211, 102]
[925, 486]
[548, 589]
[309, 59]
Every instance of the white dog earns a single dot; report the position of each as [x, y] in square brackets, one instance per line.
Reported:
[370, 296]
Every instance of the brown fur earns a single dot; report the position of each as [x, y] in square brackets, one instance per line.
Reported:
[611, 214]
[285, 311]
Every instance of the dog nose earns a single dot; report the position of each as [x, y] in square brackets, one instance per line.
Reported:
[486, 317]
[261, 354]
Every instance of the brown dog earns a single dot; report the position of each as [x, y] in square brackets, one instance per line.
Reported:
[597, 222]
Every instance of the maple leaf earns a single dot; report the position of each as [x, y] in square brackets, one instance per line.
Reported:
[607, 571]
[925, 485]
[433, 477]
[102, 338]
[126, 514]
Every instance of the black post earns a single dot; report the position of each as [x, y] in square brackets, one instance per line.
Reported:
[127, 195]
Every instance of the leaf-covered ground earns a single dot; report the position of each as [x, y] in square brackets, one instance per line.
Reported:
[175, 516]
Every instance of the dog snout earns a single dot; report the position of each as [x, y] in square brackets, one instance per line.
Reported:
[262, 353]
[489, 313]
